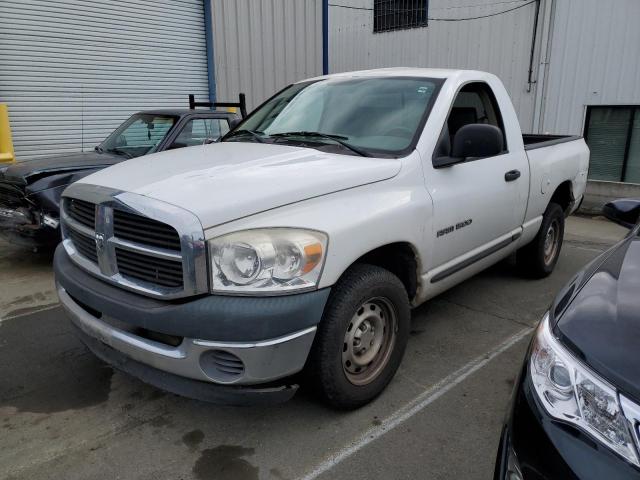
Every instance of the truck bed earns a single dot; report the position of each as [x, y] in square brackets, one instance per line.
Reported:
[534, 140]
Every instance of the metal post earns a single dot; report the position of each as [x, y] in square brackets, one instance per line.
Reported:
[208, 33]
[7, 154]
[325, 37]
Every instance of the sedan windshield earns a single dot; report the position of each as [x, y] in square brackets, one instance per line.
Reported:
[360, 116]
[139, 135]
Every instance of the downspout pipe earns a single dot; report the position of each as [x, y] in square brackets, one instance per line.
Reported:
[544, 65]
[534, 37]
[208, 33]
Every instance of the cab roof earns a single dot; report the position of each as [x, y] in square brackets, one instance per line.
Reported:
[406, 72]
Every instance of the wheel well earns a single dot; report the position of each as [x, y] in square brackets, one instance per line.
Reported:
[400, 259]
[563, 196]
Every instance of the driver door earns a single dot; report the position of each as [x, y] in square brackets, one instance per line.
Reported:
[475, 206]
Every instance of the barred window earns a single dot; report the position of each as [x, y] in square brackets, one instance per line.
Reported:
[399, 14]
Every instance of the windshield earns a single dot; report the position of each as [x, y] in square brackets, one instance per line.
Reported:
[139, 135]
[373, 115]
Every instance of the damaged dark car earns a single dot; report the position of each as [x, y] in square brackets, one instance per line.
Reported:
[30, 191]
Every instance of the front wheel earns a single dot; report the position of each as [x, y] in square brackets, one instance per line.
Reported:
[539, 258]
[361, 338]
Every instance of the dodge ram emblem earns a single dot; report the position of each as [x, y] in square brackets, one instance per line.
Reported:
[99, 243]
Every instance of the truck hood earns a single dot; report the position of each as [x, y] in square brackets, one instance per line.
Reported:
[225, 181]
[601, 324]
[28, 171]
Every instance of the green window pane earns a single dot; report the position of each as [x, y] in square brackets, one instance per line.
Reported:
[633, 162]
[607, 138]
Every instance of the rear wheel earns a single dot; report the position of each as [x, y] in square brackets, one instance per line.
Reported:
[539, 258]
[362, 337]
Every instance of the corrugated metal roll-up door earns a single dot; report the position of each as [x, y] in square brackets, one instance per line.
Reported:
[73, 70]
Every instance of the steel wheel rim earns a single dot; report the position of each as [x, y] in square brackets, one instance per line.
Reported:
[369, 340]
[551, 242]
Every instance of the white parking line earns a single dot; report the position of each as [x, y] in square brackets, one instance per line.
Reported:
[41, 308]
[415, 406]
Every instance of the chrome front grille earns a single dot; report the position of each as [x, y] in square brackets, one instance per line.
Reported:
[85, 245]
[106, 233]
[82, 212]
[162, 271]
[145, 230]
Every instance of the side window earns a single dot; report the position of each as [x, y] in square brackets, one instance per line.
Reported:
[146, 132]
[475, 103]
[198, 130]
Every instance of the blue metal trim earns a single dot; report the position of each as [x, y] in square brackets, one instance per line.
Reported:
[208, 33]
[325, 37]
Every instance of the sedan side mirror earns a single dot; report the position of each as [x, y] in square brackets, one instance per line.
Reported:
[477, 140]
[234, 122]
[624, 211]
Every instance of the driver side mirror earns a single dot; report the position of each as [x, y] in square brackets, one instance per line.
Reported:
[474, 140]
[234, 122]
[477, 140]
[624, 211]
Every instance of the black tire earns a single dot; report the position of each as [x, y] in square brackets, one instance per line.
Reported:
[535, 259]
[362, 285]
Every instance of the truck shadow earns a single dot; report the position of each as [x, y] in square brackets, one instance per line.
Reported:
[45, 369]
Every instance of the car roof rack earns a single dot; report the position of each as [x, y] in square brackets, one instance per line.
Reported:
[241, 104]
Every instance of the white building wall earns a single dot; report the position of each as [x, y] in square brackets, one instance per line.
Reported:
[500, 44]
[594, 60]
[587, 51]
[261, 46]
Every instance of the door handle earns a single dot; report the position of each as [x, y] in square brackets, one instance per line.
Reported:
[511, 175]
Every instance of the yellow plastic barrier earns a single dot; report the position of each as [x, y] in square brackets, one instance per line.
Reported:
[7, 154]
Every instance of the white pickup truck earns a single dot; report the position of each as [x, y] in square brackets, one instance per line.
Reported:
[295, 248]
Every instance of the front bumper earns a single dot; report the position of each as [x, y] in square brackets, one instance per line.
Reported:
[192, 340]
[543, 448]
[203, 391]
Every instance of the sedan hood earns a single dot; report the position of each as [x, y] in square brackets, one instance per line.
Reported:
[28, 171]
[602, 322]
[226, 181]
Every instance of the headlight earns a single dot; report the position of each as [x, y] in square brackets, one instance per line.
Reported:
[570, 392]
[274, 260]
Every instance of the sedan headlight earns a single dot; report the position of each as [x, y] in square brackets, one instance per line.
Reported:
[570, 392]
[268, 261]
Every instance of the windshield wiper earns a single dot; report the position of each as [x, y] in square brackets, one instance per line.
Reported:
[259, 136]
[340, 139]
[117, 151]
